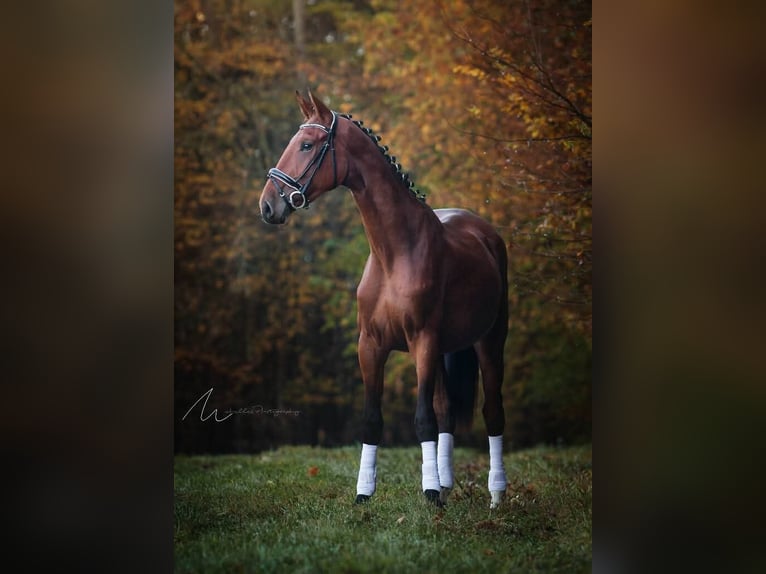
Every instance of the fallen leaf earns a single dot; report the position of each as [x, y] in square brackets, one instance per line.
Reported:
[487, 525]
[313, 470]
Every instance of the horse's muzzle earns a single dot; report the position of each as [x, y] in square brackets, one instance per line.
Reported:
[274, 209]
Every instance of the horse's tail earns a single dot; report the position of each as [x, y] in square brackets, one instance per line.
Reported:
[461, 376]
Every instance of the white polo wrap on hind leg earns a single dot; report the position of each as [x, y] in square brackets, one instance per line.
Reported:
[430, 470]
[497, 480]
[368, 473]
[444, 459]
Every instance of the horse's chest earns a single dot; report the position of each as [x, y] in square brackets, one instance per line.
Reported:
[392, 311]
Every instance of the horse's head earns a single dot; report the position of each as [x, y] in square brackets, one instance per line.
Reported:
[308, 167]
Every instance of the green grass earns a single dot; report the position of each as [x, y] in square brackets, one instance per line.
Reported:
[266, 513]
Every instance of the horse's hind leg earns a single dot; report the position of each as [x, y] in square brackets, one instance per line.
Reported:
[490, 353]
[445, 418]
[454, 401]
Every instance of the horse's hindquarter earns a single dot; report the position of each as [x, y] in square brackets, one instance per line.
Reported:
[475, 268]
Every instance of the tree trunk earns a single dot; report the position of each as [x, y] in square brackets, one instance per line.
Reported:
[299, 36]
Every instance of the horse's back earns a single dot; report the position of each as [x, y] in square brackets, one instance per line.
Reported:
[456, 218]
[461, 225]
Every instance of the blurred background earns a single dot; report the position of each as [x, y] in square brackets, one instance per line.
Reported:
[487, 105]
[90, 246]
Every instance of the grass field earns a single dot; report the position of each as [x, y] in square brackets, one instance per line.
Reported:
[292, 510]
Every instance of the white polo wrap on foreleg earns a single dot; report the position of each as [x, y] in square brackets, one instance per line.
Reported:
[444, 459]
[368, 473]
[430, 470]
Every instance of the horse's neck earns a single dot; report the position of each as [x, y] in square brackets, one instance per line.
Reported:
[398, 226]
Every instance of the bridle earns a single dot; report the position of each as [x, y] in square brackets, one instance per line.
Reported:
[297, 199]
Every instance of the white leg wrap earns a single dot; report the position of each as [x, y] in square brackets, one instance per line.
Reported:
[368, 473]
[497, 480]
[444, 459]
[430, 470]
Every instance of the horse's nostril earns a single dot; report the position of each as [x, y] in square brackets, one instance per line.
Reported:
[266, 212]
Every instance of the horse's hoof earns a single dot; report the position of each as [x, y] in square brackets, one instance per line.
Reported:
[361, 499]
[444, 494]
[497, 498]
[433, 496]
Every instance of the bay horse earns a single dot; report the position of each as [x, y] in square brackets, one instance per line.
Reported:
[435, 285]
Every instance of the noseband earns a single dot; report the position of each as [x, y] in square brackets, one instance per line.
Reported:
[297, 198]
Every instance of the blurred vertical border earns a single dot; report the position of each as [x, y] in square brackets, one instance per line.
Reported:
[86, 223]
[86, 236]
[679, 396]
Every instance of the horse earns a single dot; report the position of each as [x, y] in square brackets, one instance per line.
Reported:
[435, 285]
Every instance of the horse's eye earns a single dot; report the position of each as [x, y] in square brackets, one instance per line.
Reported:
[306, 146]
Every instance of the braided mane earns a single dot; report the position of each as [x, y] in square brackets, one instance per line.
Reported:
[396, 167]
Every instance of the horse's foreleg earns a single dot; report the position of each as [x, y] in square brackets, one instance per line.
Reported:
[371, 361]
[427, 356]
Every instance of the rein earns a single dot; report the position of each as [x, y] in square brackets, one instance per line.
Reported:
[297, 199]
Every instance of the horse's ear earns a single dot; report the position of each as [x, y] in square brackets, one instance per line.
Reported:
[323, 112]
[306, 106]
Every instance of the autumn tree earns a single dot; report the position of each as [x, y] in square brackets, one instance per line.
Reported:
[486, 104]
[257, 314]
[535, 79]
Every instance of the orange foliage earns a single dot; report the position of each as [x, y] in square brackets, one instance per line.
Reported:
[486, 103]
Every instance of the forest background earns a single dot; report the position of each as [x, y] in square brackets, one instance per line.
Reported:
[486, 104]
